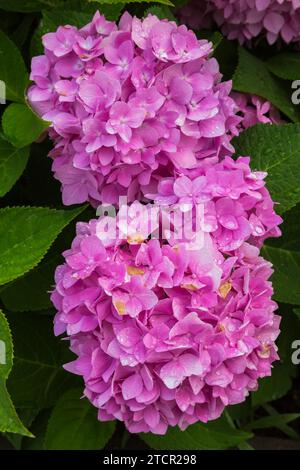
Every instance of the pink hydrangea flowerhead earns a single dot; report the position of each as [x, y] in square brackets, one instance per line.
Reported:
[167, 331]
[254, 110]
[235, 203]
[129, 104]
[247, 19]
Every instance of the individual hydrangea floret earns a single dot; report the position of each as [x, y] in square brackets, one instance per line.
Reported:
[165, 332]
[129, 104]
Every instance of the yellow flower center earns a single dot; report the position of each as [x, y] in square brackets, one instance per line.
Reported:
[120, 306]
[224, 289]
[134, 271]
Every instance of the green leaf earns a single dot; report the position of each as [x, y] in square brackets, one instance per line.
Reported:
[9, 420]
[272, 421]
[162, 12]
[286, 273]
[12, 70]
[12, 164]
[252, 76]
[37, 378]
[38, 427]
[280, 424]
[285, 65]
[30, 292]
[275, 149]
[215, 435]
[26, 234]
[73, 425]
[27, 416]
[29, 125]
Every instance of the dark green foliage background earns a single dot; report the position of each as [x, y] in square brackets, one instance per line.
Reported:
[40, 406]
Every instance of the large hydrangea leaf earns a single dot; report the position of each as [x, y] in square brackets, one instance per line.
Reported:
[12, 164]
[26, 234]
[275, 149]
[73, 425]
[12, 71]
[216, 435]
[9, 420]
[252, 76]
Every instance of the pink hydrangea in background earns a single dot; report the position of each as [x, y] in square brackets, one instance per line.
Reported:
[247, 19]
[165, 333]
[253, 110]
[197, 14]
[129, 105]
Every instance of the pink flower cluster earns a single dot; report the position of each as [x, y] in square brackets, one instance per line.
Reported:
[253, 110]
[129, 105]
[169, 326]
[166, 333]
[247, 19]
[235, 204]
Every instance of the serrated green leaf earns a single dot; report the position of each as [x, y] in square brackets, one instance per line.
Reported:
[27, 415]
[12, 164]
[37, 378]
[30, 293]
[215, 435]
[29, 126]
[9, 420]
[73, 425]
[26, 234]
[252, 76]
[286, 273]
[275, 149]
[12, 70]
[285, 65]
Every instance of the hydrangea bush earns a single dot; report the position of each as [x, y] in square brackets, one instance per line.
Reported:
[168, 279]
